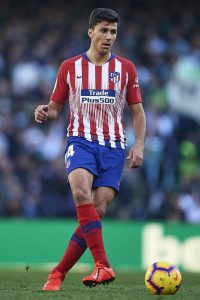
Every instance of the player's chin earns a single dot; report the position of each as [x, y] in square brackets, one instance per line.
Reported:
[104, 51]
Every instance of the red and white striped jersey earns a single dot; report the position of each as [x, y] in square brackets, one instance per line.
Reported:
[97, 96]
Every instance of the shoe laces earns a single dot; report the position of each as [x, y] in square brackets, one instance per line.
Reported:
[55, 275]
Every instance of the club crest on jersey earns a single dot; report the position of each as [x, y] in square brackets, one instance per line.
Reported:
[114, 76]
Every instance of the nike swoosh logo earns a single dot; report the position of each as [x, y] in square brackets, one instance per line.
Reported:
[95, 276]
[78, 77]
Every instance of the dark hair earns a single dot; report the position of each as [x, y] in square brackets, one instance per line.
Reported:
[102, 14]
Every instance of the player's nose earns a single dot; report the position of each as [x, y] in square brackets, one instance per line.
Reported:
[108, 36]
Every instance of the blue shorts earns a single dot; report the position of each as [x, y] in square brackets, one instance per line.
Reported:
[104, 162]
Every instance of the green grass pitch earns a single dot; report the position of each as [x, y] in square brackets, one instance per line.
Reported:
[22, 285]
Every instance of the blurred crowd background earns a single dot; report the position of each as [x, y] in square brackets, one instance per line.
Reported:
[162, 38]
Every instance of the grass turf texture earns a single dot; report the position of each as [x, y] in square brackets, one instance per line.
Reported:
[22, 285]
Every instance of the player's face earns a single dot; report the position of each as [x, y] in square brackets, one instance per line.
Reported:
[103, 36]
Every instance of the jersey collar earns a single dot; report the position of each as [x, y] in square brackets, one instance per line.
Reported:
[86, 57]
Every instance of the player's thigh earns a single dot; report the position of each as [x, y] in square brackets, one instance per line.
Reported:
[80, 168]
[102, 197]
[110, 167]
[80, 181]
[80, 154]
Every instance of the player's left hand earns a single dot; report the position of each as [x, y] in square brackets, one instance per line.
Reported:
[136, 156]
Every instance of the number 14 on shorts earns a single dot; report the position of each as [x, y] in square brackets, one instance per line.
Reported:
[70, 151]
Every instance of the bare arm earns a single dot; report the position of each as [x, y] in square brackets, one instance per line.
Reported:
[139, 125]
[47, 112]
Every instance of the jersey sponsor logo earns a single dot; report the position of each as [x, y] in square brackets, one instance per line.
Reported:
[98, 96]
[114, 76]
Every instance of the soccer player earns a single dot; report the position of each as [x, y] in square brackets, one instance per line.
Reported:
[96, 84]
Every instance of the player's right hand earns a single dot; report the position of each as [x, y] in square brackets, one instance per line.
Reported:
[41, 113]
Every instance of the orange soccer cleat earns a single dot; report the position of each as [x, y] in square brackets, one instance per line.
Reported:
[54, 281]
[100, 275]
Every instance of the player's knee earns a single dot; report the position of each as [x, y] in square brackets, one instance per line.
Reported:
[81, 195]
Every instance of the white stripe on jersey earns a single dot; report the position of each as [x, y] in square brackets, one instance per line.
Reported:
[105, 81]
[93, 110]
[109, 108]
[86, 107]
[68, 80]
[76, 104]
[99, 114]
[104, 78]
[55, 85]
[91, 76]
[78, 75]
[78, 79]
[72, 103]
[118, 68]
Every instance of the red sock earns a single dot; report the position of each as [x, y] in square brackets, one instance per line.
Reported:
[74, 251]
[91, 229]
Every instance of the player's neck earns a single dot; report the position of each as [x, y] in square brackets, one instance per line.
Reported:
[96, 58]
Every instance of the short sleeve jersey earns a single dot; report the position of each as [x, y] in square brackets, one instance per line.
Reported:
[97, 96]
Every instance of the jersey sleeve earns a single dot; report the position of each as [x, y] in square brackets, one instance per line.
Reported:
[61, 88]
[133, 89]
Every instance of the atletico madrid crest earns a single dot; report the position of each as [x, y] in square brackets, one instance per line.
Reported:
[114, 76]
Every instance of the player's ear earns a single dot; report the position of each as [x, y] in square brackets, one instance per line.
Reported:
[90, 32]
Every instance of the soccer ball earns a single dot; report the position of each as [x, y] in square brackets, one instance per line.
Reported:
[163, 278]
